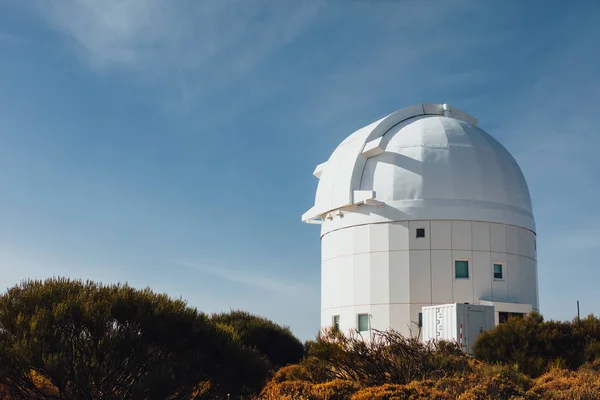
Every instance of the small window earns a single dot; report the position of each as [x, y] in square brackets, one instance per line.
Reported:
[498, 272]
[420, 232]
[336, 323]
[420, 319]
[461, 269]
[363, 322]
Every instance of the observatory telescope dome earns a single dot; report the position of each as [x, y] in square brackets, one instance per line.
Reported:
[427, 162]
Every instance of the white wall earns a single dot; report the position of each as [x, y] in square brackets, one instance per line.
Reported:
[386, 271]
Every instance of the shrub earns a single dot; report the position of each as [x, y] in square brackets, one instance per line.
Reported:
[535, 345]
[387, 358]
[294, 372]
[85, 340]
[561, 384]
[412, 391]
[496, 382]
[336, 389]
[292, 390]
[275, 342]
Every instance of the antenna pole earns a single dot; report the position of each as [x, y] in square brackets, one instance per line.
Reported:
[578, 309]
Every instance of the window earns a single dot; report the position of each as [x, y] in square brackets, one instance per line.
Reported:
[420, 319]
[363, 322]
[336, 323]
[461, 269]
[420, 232]
[498, 272]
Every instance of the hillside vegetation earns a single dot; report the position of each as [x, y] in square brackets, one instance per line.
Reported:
[67, 339]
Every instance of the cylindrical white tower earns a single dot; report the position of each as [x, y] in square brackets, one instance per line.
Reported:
[422, 207]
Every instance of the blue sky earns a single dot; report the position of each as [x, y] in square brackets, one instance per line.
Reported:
[171, 144]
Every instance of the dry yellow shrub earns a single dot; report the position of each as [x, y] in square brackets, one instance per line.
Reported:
[334, 390]
[293, 390]
[561, 384]
[413, 391]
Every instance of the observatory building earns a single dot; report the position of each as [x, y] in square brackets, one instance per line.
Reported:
[417, 209]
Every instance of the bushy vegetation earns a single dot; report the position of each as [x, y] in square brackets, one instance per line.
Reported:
[64, 339]
[388, 357]
[275, 342]
[534, 345]
[69, 339]
[394, 367]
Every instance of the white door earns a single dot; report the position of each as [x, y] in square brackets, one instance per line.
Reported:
[475, 325]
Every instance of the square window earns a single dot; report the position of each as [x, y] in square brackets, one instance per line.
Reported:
[461, 269]
[336, 323]
[363, 322]
[498, 271]
[420, 232]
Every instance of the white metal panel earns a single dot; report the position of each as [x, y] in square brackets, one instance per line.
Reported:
[362, 279]
[441, 235]
[482, 275]
[526, 243]
[326, 247]
[463, 288]
[380, 237]
[347, 318]
[441, 276]
[362, 239]
[380, 277]
[480, 236]
[420, 276]
[339, 243]
[498, 238]
[528, 281]
[439, 323]
[346, 277]
[399, 277]
[400, 318]
[513, 278]
[419, 243]
[329, 284]
[512, 239]
[380, 316]
[461, 235]
[399, 236]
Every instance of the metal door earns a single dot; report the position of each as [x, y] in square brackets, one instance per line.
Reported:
[475, 325]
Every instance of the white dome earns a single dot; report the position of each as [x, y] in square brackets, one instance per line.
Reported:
[422, 162]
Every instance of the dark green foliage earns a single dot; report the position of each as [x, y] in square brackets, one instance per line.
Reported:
[95, 341]
[388, 357]
[275, 342]
[535, 345]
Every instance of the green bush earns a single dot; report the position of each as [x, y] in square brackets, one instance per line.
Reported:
[87, 340]
[535, 345]
[275, 342]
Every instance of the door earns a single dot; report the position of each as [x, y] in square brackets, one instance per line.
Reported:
[475, 325]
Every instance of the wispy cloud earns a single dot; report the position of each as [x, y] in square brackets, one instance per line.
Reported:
[254, 279]
[199, 42]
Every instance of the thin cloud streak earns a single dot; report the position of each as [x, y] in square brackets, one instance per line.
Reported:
[254, 280]
[163, 42]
